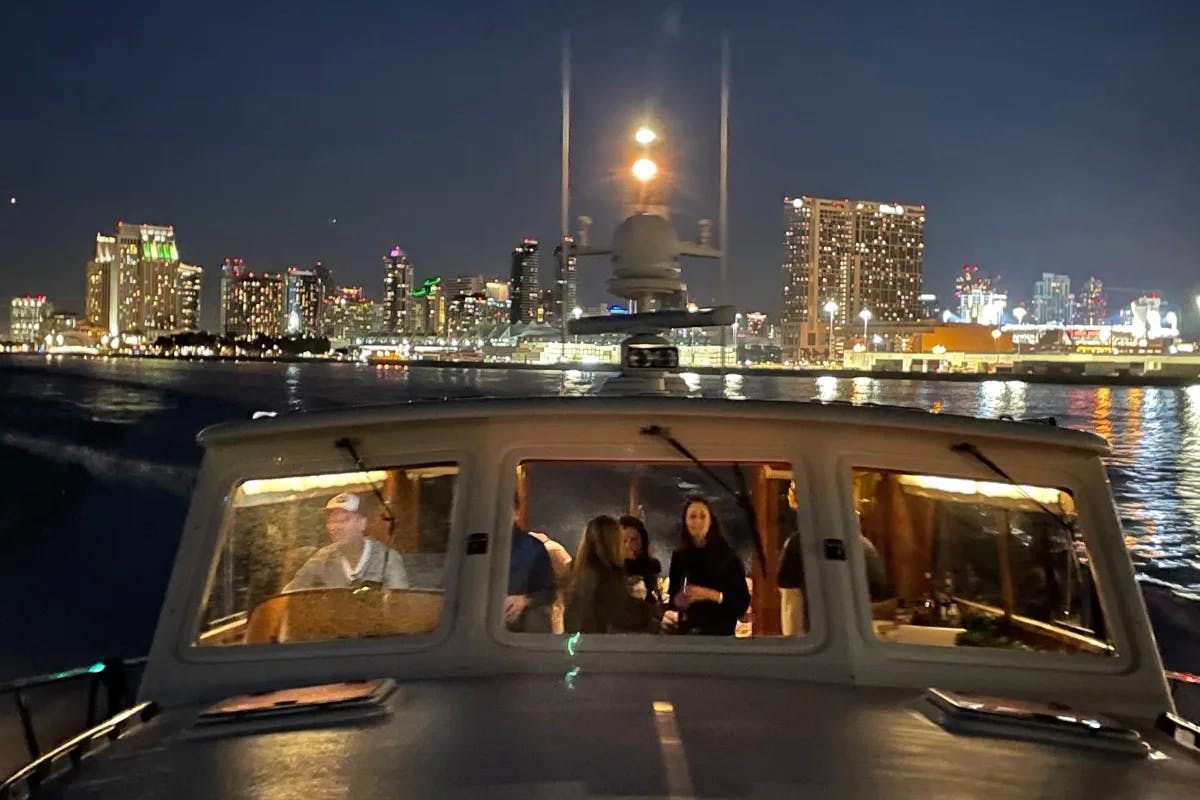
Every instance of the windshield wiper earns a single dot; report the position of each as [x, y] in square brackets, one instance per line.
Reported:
[739, 495]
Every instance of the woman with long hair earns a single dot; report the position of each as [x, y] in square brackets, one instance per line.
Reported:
[640, 566]
[598, 600]
[707, 580]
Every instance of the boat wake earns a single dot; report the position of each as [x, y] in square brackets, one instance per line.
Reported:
[173, 478]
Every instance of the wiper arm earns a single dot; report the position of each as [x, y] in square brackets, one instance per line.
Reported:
[740, 495]
[974, 452]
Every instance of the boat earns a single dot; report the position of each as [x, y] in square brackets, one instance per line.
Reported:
[850, 601]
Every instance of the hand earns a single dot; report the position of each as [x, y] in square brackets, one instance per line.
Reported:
[514, 607]
[695, 593]
[669, 622]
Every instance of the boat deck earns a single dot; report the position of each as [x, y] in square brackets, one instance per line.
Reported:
[614, 736]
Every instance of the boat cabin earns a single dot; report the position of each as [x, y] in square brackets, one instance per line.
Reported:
[875, 546]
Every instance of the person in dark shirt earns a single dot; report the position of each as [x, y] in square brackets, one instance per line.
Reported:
[531, 589]
[598, 600]
[639, 564]
[707, 580]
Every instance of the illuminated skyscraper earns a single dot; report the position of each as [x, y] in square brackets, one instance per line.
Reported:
[27, 315]
[565, 283]
[397, 286]
[427, 309]
[859, 254]
[525, 282]
[348, 314]
[187, 297]
[980, 299]
[100, 293]
[305, 303]
[1052, 299]
[1091, 305]
[146, 260]
[251, 303]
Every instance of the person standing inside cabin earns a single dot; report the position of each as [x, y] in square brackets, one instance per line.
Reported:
[560, 563]
[639, 564]
[531, 588]
[598, 600]
[352, 558]
[707, 580]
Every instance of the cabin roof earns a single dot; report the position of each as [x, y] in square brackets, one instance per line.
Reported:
[815, 412]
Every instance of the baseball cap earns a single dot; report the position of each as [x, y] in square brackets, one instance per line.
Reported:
[344, 501]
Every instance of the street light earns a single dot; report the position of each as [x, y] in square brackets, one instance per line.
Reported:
[831, 308]
[865, 316]
[644, 135]
[996, 338]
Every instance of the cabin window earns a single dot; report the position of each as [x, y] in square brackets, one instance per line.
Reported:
[966, 563]
[605, 547]
[331, 556]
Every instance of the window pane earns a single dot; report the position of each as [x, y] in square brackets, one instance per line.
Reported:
[332, 556]
[967, 563]
[606, 547]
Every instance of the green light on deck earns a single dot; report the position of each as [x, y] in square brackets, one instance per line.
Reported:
[572, 640]
[97, 667]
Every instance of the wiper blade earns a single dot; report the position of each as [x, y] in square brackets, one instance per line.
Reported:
[740, 497]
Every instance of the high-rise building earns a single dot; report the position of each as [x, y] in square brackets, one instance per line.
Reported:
[187, 296]
[100, 292]
[397, 287]
[147, 259]
[525, 282]
[304, 305]
[1091, 304]
[466, 314]
[859, 254]
[497, 290]
[252, 303]
[754, 323]
[427, 310]
[349, 315]
[565, 282]
[464, 284]
[1052, 299]
[980, 299]
[26, 318]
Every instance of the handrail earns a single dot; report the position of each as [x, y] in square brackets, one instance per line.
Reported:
[112, 673]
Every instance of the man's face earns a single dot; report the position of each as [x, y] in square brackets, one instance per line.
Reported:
[343, 526]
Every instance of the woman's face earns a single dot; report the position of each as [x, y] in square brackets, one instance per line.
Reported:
[631, 542]
[697, 519]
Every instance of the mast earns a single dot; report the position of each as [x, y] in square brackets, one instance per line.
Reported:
[723, 211]
[564, 199]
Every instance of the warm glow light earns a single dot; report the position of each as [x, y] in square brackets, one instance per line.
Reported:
[644, 135]
[865, 315]
[961, 486]
[305, 483]
[831, 307]
[1019, 314]
[996, 333]
[644, 169]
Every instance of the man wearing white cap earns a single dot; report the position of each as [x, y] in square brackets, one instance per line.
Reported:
[353, 558]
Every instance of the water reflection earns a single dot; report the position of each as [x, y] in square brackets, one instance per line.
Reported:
[827, 388]
[732, 387]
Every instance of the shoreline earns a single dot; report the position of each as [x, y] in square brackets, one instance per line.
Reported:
[1065, 379]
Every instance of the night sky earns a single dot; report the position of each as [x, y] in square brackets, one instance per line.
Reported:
[1058, 136]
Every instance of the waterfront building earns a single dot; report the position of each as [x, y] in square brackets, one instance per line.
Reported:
[1052, 301]
[565, 293]
[100, 291]
[26, 316]
[349, 315]
[1091, 304]
[980, 299]
[187, 296]
[844, 256]
[397, 288]
[525, 282]
[304, 304]
[252, 303]
[146, 266]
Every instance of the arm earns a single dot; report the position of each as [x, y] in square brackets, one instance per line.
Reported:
[619, 612]
[733, 586]
[307, 577]
[541, 589]
[396, 576]
[675, 580]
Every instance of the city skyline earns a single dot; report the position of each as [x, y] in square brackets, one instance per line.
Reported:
[1020, 161]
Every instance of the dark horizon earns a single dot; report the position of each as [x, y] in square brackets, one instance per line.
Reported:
[1041, 139]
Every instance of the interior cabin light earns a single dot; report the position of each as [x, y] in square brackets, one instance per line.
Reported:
[652, 357]
[304, 483]
[963, 486]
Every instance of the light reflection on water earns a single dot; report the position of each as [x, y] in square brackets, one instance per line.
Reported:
[1154, 431]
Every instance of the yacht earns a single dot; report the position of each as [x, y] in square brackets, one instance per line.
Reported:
[832, 601]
